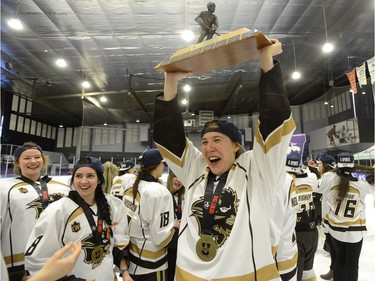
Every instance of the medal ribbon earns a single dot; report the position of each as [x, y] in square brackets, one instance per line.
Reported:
[211, 200]
[96, 229]
[42, 190]
[177, 205]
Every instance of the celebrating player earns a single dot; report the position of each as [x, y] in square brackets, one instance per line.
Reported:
[229, 191]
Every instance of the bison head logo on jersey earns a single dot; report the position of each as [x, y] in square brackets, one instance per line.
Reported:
[225, 215]
[37, 203]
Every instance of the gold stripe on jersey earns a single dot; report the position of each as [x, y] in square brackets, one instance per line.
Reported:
[265, 273]
[147, 254]
[57, 182]
[359, 222]
[76, 213]
[166, 241]
[274, 249]
[288, 264]
[304, 188]
[16, 258]
[161, 276]
[170, 156]
[285, 129]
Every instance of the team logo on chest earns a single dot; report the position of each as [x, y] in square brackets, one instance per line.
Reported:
[37, 203]
[225, 215]
[76, 226]
[94, 254]
[23, 190]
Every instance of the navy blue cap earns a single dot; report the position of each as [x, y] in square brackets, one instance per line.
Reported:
[127, 165]
[224, 127]
[345, 159]
[20, 149]
[151, 158]
[329, 160]
[91, 162]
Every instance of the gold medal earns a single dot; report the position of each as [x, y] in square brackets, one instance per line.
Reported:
[97, 254]
[206, 248]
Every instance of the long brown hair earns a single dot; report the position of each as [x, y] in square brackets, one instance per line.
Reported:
[346, 176]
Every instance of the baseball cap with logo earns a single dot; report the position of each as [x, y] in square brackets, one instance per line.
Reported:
[345, 160]
[151, 158]
[127, 165]
[293, 163]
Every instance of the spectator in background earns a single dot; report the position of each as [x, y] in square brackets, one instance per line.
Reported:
[346, 213]
[326, 166]
[23, 199]
[177, 190]
[110, 172]
[151, 223]
[125, 178]
[307, 220]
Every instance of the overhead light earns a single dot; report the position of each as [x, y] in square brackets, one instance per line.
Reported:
[184, 101]
[296, 75]
[326, 103]
[86, 84]
[332, 106]
[61, 63]
[187, 35]
[363, 93]
[61, 126]
[103, 99]
[187, 88]
[105, 124]
[137, 121]
[15, 22]
[327, 47]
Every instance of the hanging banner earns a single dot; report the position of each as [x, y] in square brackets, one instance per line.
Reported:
[297, 146]
[371, 69]
[351, 77]
[361, 74]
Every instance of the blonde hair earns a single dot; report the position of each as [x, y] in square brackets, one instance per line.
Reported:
[110, 171]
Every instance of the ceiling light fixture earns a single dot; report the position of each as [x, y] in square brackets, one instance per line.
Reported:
[187, 35]
[327, 47]
[61, 62]
[86, 84]
[184, 101]
[15, 22]
[187, 88]
[103, 99]
[296, 74]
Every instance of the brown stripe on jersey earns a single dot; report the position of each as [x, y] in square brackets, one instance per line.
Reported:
[288, 264]
[16, 258]
[147, 254]
[267, 272]
[166, 241]
[275, 137]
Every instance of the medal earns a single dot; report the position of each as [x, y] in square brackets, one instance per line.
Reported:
[97, 255]
[206, 248]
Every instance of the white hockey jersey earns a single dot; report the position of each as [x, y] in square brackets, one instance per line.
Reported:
[21, 207]
[64, 221]
[345, 220]
[240, 245]
[122, 183]
[151, 226]
[283, 222]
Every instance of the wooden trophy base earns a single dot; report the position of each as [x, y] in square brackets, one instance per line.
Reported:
[228, 49]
